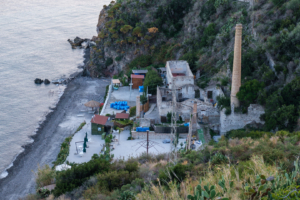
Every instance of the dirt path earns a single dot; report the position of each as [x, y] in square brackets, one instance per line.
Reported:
[62, 122]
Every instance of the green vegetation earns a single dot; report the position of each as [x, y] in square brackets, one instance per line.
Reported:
[248, 92]
[108, 62]
[132, 111]
[246, 164]
[259, 160]
[68, 180]
[125, 122]
[151, 81]
[169, 17]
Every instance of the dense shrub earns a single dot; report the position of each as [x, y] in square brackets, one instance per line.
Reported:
[140, 61]
[151, 81]
[241, 133]
[44, 176]
[70, 179]
[278, 2]
[177, 173]
[224, 102]
[132, 111]
[207, 10]
[248, 92]
[119, 58]
[224, 82]
[169, 17]
[208, 35]
[191, 58]
[108, 181]
[108, 61]
[219, 158]
[282, 107]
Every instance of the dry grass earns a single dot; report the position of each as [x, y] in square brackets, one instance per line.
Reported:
[44, 176]
[212, 177]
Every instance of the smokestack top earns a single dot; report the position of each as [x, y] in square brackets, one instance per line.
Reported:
[239, 26]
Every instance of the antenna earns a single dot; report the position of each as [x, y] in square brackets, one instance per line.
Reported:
[147, 144]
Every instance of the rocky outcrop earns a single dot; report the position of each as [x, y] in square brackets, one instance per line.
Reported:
[38, 81]
[46, 81]
[77, 42]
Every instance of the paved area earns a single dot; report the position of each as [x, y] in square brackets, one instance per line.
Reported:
[122, 94]
[131, 148]
[94, 145]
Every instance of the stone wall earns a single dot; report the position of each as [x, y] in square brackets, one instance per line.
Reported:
[152, 135]
[237, 120]
[144, 122]
[138, 106]
[107, 99]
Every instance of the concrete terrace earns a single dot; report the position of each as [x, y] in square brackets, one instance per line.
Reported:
[122, 94]
[123, 150]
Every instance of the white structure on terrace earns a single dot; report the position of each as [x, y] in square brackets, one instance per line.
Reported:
[180, 74]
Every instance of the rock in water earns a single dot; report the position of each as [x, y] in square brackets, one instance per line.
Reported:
[46, 81]
[38, 81]
[78, 41]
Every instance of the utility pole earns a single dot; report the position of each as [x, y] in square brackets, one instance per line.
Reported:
[173, 153]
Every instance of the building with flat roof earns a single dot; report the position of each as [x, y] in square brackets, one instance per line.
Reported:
[178, 73]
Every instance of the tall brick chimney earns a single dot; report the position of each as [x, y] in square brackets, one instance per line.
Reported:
[237, 61]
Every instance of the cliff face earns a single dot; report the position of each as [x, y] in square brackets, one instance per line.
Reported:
[147, 33]
[203, 31]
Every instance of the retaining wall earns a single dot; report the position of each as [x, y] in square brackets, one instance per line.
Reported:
[107, 98]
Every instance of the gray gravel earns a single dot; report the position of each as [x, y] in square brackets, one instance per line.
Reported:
[58, 125]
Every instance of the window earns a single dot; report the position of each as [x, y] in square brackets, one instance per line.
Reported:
[209, 94]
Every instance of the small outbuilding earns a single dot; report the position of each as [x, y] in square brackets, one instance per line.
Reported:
[100, 124]
[137, 80]
[116, 82]
[122, 116]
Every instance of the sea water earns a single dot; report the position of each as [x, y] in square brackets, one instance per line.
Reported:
[33, 44]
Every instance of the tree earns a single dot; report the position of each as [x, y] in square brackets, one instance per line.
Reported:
[137, 31]
[284, 118]
[152, 80]
[249, 91]
[126, 28]
[153, 30]
[191, 58]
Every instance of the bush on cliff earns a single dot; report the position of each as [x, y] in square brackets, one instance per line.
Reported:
[169, 17]
[152, 80]
[68, 180]
[248, 92]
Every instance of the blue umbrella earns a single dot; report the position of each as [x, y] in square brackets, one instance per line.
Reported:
[84, 146]
[86, 137]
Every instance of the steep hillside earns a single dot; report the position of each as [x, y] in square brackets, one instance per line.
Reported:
[147, 33]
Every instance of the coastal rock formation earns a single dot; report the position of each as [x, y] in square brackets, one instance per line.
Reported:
[77, 42]
[38, 81]
[46, 81]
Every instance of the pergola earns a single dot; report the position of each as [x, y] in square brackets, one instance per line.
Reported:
[116, 82]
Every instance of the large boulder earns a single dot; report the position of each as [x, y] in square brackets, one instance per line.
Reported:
[38, 81]
[46, 81]
[78, 41]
